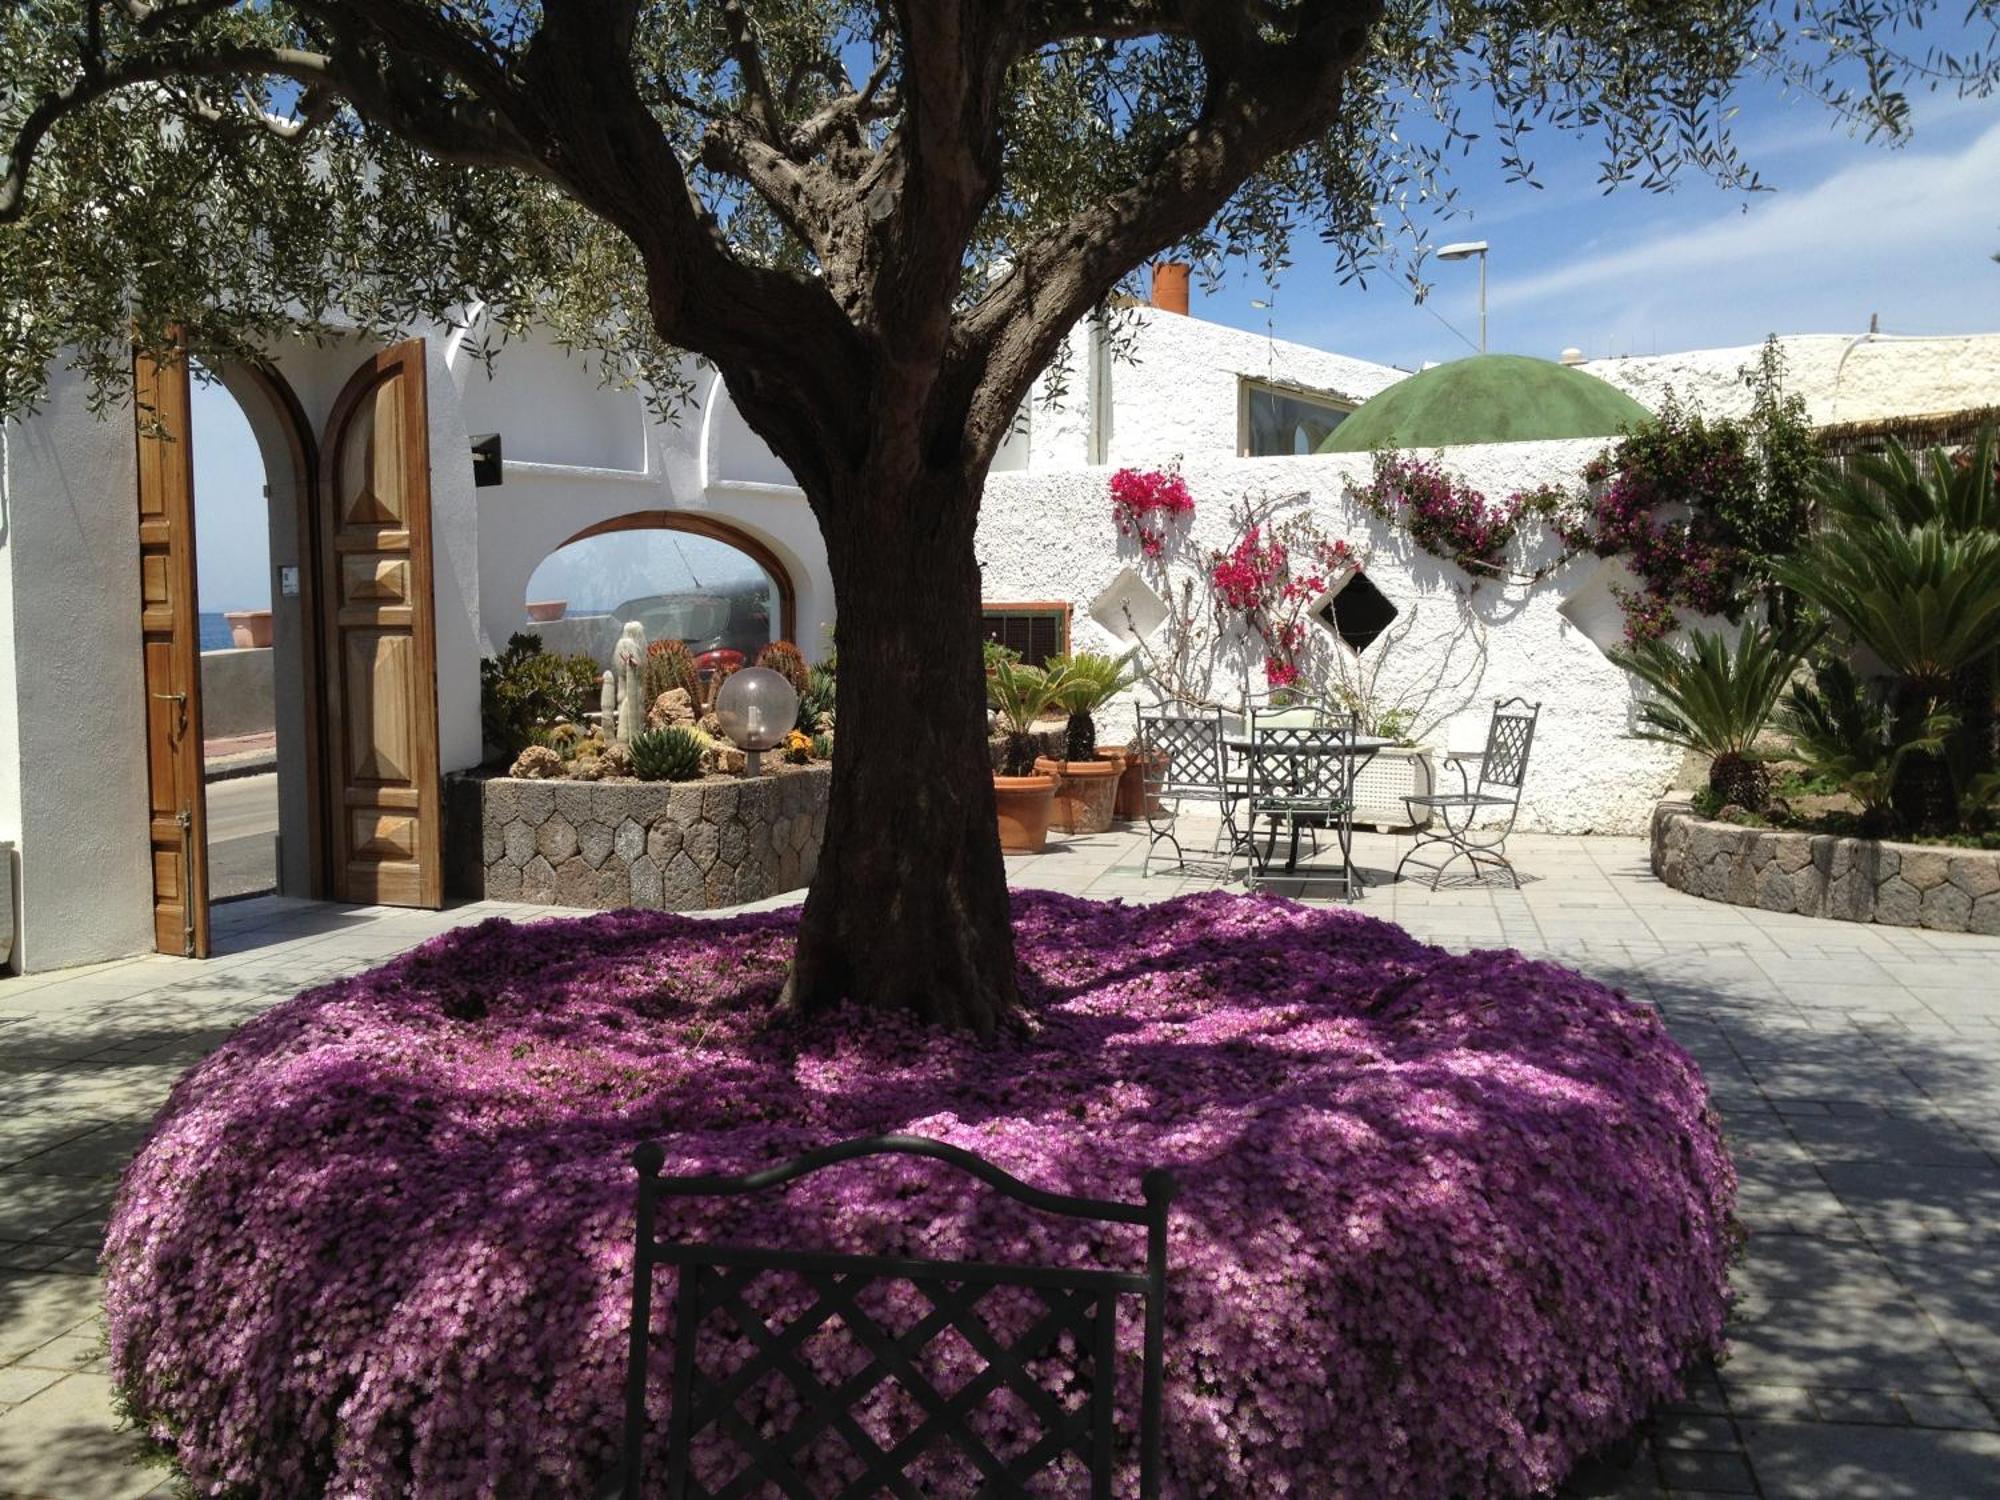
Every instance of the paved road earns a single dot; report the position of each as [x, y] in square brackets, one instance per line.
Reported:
[242, 836]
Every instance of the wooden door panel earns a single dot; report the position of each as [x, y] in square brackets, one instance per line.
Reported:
[381, 635]
[170, 633]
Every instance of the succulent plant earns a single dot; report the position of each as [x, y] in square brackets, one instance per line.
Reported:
[785, 659]
[816, 701]
[798, 747]
[671, 754]
[822, 747]
[668, 666]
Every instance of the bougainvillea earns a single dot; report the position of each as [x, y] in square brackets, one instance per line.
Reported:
[1446, 518]
[1269, 578]
[1446, 1222]
[1146, 502]
[1697, 507]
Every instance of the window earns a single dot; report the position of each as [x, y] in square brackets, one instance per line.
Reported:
[1358, 614]
[1278, 421]
[685, 578]
[1037, 631]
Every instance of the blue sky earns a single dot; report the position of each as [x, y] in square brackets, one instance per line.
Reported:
[1848, 229]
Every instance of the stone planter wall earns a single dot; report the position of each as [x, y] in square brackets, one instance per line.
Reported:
[672, 846]
[1818, 875]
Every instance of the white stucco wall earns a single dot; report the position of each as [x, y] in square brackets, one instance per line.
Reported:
[77, 701]
[1454, 651]
[1842, 377]
[1176, 389]
[705, 461]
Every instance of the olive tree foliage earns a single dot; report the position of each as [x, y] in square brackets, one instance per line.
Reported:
[640, 179]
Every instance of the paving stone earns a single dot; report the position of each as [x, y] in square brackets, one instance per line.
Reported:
[1830, 1461]
[1879, 1408]
[1712, 1473]
[1928, 1409]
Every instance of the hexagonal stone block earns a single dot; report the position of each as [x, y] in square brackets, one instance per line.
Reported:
[555, 840]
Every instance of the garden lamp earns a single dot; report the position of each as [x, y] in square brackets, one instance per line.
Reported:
[1465, 250]
[756, 708]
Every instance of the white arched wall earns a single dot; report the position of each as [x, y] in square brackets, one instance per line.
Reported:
[539, 506]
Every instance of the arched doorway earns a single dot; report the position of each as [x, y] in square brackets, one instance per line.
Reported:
[352, 642]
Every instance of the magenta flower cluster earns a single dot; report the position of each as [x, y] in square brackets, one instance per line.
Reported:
[1146, 502]
[1446, 1222]
[1447, 519]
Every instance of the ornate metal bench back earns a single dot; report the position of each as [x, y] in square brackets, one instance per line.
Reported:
[1082, 1302]
[1508, 739]
[1184, 753]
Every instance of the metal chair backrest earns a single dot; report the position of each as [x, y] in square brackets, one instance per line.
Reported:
[1076, 1303]
[1279, 779]
[1508, 739]
[1185, 755]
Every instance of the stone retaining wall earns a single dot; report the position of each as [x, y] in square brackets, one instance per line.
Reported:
[672, 846]
[1819, 875]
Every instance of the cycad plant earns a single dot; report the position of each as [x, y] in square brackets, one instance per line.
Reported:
[1020, 695]
[1907, 563]
[1844, 729]
[1088, 681]
[1716, 699]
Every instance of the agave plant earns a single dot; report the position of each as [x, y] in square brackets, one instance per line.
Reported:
[1088, 681]
[1020, 695]
[1845, 730]
[1716, 700]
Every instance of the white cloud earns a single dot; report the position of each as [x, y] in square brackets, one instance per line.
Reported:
[1863, 228]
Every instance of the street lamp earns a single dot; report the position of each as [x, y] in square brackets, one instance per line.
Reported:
[1464, 250]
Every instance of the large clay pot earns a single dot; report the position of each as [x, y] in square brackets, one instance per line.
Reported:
[1023, 803]
[1132, 784]
[1085, 792]
[542, 611]
[249, 629]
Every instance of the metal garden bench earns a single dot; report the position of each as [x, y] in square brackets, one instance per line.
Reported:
[1077, 1304]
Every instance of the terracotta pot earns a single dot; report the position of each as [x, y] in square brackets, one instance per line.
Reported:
[249, 629]
[1132, 784]
[542, 611]
[1085, 792]
[1023, 803]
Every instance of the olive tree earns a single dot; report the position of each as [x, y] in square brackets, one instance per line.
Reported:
[877, 220]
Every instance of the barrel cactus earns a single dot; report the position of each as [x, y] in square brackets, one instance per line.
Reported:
[668, 666]
[786, 660]
[670, 754]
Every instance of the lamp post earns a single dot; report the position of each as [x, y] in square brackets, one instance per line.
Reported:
[1464, 250]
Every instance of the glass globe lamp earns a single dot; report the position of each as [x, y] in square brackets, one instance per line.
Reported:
[756, 709]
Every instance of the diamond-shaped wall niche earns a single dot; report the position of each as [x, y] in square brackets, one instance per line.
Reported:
[1354, 612]
[1593, 608]
[1129, 608]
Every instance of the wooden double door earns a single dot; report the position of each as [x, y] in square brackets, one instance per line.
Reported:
[368, 645]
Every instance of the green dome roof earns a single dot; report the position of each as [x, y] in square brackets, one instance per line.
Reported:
[1490, 398]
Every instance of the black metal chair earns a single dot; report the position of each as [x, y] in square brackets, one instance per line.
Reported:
[1503, 767]
[1078, 1304]
[1184, 759]
[1300, 780]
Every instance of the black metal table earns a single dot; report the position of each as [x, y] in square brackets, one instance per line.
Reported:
[1358, 748]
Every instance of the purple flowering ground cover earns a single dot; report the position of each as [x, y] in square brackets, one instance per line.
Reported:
[1446, 1223]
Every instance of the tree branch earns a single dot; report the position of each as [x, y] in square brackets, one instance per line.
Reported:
[1265, 96]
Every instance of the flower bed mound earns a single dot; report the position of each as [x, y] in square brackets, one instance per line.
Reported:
[1446, 1223]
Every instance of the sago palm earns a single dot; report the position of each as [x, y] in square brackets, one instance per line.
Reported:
[1088, 681]
[1020, 695]
[1715, 700]
[1843, 729]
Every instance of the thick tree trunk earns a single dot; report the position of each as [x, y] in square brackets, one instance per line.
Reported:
[908, 910]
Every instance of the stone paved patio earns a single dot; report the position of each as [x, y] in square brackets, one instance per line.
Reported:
[1858, 1070]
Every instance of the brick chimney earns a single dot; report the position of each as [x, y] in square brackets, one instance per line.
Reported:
[1170, 286]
